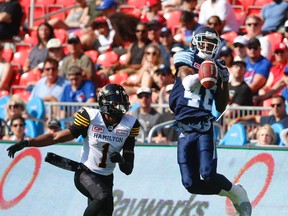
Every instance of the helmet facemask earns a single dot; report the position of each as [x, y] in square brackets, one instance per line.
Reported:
[207, 44]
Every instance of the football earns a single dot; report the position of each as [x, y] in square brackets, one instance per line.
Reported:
[208, 74]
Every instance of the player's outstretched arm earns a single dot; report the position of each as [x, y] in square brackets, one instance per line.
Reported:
[41, 141]
[222, 93]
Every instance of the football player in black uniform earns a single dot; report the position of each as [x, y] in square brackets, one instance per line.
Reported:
[106, 132]
[192, 105]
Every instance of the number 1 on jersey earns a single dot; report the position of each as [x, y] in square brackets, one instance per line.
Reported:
[105, 149]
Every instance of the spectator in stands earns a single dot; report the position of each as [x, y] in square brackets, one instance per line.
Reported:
[216, 23]
[223, 9]
[136, 50]
[78, 90]
[105, 38]
[108, 8]
[168, 5]
[273, 16]
[10, 19]
[284, 136]
[158, 80]
[77, 17]
[253, 25]
[151, 62]
[166, 44]
[151, 12]
[276, 73]
[278, 115]
[166, 135]
[39, 52]
[146, 115]
[154, 28]
[285, 34]
[191, 5]
[77, 57]
[258, 67]
[240, 93]
[6, 73]
[266, 136]
[17, 126]
[15, 106]
[55, 51]
[239, 45]
[187, 26]
[50, 87]
[226, 53]
[92, 12]
[281, 85]
[53, 126]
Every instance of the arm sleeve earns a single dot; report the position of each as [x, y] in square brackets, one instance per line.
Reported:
[128, 150]
[80, 124]
[183, 58]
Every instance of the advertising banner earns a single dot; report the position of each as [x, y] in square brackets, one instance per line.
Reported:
[30, 186]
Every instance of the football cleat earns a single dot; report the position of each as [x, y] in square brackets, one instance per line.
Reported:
[241, 201]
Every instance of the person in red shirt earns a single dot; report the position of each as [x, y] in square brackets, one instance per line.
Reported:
[276, 72]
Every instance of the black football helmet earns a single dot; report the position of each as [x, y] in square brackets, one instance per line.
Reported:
[113, 100]
[206, 40]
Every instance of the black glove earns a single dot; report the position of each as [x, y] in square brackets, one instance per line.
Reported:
[115, 157]
[222, 70]
[17, 147]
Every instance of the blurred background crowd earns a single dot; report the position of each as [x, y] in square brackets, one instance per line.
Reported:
[56, 54]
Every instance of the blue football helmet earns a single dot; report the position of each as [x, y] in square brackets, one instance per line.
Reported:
[206, 40]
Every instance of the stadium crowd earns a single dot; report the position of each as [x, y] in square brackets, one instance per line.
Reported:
[73, 48]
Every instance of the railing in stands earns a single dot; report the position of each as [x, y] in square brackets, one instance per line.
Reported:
[65, 113]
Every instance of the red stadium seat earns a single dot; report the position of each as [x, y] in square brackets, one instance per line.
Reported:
[137, 3]
[39, 11]
[229, 36]
[107, 59]
[20, 57]
[101, 79]
[93, 54]
[122, 59]
[131, 10]
[7, 54]
[262, 2]
[23, 46]
[244, 3]
[30, 78]
[44, 2]
[53, 9]
[118, 78]
[239, 13]
[16, 76]
[173, 19]
[254, 10]
[4, 93]
[61, 34]
[31, 37]
[24, 95]
[65, 3]
[274, 38]
[26, 79]
[25, 5]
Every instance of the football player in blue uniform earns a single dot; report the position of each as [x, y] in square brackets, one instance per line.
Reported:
[106, 132]
[192, 105]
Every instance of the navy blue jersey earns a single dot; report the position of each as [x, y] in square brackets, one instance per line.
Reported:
[197, 102]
